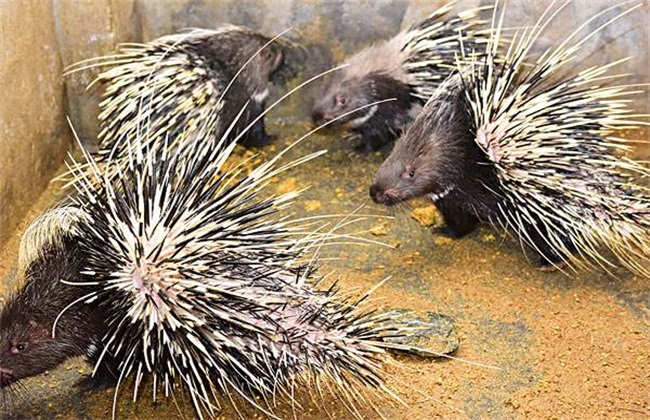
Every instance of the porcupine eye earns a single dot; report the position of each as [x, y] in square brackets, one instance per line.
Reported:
[18, 348]
[340, 100]
[409, 172]
[268, 55]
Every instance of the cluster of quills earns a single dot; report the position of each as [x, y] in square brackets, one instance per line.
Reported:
[168, 266]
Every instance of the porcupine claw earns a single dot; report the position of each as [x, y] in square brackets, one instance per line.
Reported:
[103, 377]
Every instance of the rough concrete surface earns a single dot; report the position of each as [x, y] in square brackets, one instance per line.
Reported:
[33, 137]
[87, 29]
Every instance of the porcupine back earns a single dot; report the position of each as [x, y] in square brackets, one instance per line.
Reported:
[434, 47]
[555, 143]
[174, 83]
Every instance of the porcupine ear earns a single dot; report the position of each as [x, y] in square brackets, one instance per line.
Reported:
[293, 58]
[45, 231]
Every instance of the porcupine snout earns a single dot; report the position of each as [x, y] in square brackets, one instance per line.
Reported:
[320, 117]
[383, 195]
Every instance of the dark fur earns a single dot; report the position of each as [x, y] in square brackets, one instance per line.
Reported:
[341, 95]
[27, 347]
[226, 54]
[437, 153]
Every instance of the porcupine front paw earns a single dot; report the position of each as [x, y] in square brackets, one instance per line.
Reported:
[105, 376]
[259, 141]
[449, 232]
[458, 222]
[456, 227]
[363, 149]
[98, 382]
[258, 137]
[371, 142]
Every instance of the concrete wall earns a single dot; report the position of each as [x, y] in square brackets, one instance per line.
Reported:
[38, 38]
[31, 107]
[87, 29]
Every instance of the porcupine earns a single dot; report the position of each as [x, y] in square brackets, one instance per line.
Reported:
[408, 67]
[200, 286]
[49, 253]
[530, 145]
[175, 82]
[200, 59]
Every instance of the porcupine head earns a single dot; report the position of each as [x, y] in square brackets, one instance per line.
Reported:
[27, 344]
[432, 156]
[353, 89]
[236, 47]
[437, 157]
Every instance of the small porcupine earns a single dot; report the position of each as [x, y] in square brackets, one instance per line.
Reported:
[408, 67]
[173, 83]
[531, 145]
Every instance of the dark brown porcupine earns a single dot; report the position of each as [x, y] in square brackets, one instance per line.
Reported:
[204, 287]
[174, 83]
[49, 255]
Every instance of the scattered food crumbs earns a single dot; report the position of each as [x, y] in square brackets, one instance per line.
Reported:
[442, 240]
[488, 237]
[312, 205]
[380, 229]
[288, 185]
[426, 216]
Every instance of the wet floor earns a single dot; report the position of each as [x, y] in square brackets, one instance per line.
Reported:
[559, 346]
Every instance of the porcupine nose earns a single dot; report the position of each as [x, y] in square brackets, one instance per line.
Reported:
[379, 195]
[320, 117]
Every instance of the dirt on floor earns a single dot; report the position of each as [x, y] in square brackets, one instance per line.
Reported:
[533, 344]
